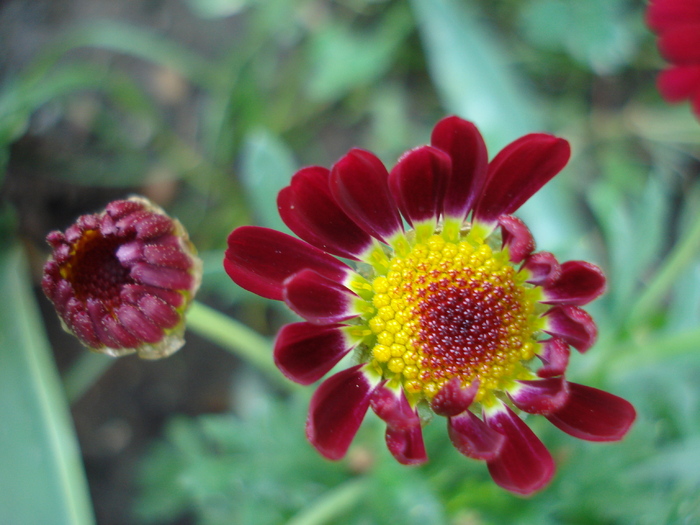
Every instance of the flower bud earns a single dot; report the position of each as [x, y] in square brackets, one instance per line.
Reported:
[121, 280]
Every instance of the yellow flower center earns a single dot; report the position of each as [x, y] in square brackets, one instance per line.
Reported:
[449, 310]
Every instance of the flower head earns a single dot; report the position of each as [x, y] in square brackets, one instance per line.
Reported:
[454, 315]
[122, 279]
[677, 23]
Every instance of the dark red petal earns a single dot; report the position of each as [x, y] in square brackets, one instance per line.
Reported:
[120, 209]
[74, 233]
[406, 445]
[464, 144]
[153, 226]
[62, 253]
[681, 44]
[524, 464]
[132, 293]
[518, 172]
[664, 14]
[55, 239]
[452, 399]
[80, 323]
[305, 352]
[98, 312]
[555, 358]
[168, 278]
[580, 283]
[259, 260]
[541, 396]
[159, 312]
[404, 437]
[167, 255]
[309, 210]
[107, 225]
[359, 184]
[121, 334]
[393, 408]
[138, 324]
[317, 299]
[679, 83]
[593, 415]
[418, 182]
[336, 411]
[543, 268]
[127, 224]
[474, 438]
[517, 237]
[88, 222]
[130, 252]
[62, 293]
[572, 325]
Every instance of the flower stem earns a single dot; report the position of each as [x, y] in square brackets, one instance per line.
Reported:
[236, 338]
[652, 350]
[683, 253]
[88, 368]
[330, 506]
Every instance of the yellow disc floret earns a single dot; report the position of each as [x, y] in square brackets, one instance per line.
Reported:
[452, 309]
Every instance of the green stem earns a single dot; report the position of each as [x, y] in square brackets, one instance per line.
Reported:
[332, 505]
[85, 373]
[236, 338]
[683, 253]
[652, 350]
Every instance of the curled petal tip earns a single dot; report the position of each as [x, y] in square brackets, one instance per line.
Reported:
[578, 284]
[474, 438]
[524, 465]
[540, 396]
[517, 237]
[453, 399]
[336, 411]
[572, 325]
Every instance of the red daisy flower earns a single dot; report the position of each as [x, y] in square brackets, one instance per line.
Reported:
[448, 316]
[122, 279]
[677, 23]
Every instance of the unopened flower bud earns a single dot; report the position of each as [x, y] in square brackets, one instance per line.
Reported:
[121, 280]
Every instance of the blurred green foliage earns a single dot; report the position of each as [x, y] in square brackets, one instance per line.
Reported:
[301, 82]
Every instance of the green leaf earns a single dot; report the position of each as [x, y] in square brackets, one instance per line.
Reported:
[342, 58]
[476, 81]
[21, 97]
[267, 166]
[217, 8]
[471, 72]
[134, 41]
[596, 33]
[42, 478]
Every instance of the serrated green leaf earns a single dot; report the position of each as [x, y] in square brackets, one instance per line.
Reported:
[42, 478]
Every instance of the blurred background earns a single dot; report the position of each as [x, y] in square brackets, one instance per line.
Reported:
[208, 107]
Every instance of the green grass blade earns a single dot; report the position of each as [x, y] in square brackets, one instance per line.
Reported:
[42, 478]
[471, 71]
